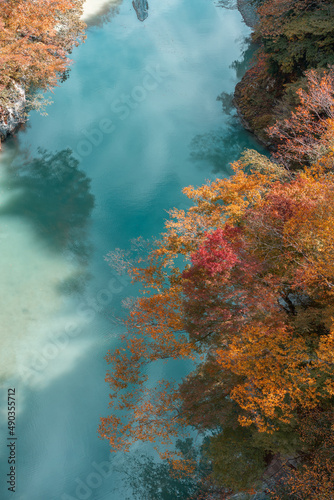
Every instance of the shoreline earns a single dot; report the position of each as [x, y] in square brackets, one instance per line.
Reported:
[14, 117]
[250, 18]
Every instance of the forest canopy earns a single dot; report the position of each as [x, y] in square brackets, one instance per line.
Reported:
[291, 37]
[252, 301]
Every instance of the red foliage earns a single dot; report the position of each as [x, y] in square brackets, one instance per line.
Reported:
[216, 255]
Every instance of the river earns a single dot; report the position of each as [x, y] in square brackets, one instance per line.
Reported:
[136, 121]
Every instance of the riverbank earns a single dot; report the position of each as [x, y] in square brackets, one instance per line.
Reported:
[13, 115]
[33, 54]
[250, 17]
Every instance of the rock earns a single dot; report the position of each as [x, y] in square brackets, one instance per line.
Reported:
[262, 138]
[141, 8]
[14, 115]
[248, 12]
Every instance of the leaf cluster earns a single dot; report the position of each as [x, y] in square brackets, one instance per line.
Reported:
[35, 41]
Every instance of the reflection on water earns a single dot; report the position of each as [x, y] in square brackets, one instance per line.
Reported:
[216, 149]
[151, 480]
[53, 195]
[219, 147]
[44, 213]
[241, 65]
[227, 4]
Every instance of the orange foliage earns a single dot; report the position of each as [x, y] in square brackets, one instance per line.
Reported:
[35, 39]
[262, 320]
[308, 134]
[314, 478]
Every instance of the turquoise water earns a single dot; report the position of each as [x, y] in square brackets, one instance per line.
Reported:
[137, 120]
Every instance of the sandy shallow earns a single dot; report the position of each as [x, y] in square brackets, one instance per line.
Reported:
[93, 8]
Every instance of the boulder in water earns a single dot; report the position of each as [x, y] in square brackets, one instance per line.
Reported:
[141, 8]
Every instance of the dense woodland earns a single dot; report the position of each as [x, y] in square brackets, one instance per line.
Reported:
[243, 284]
[292, 36]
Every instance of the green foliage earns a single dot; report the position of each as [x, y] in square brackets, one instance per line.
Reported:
[150, 480]
[294, 37]
[306, 42]
[237, 462]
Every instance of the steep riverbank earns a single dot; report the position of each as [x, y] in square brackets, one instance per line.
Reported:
[268, 92]
[250, 17]
[14, 115]
[36, 40]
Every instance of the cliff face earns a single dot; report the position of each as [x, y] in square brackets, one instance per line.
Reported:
[13, 116]
[248, 12]
[256, 117]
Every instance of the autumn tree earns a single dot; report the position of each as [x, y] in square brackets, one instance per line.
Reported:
[242, 283]
[264, 299]
[307, 134]
[256, 301]
[314, 478]
[292, 36]
[35, 41]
